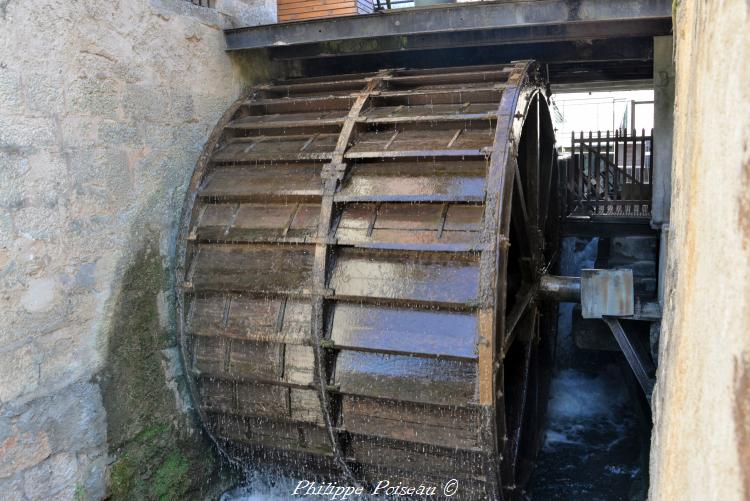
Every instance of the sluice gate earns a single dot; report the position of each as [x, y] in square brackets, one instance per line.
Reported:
[359, 272]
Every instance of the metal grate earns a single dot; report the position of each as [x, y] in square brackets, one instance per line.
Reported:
[610, 174]
[203, 3]
[380, 5]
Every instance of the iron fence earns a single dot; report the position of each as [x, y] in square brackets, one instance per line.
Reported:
[610, 173]
[380, 5]
[203, 3]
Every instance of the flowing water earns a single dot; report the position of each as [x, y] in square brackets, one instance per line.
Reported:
[597, 438]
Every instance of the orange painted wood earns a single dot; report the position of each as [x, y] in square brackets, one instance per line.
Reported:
[295, 10]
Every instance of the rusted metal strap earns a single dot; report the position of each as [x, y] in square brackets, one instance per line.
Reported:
[492, 286]
[332, 175]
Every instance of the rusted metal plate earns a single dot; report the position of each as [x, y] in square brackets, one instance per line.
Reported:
[606, 293]
[342, 268]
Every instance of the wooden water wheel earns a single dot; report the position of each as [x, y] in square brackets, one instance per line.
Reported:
[358, 268]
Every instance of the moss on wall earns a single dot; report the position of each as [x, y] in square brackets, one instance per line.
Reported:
[158, 452]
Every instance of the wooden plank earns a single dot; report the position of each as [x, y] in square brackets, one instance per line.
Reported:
[436, 110]
[262, 400]
[285, 4]
[422, 140]
[289, 120]
[486, 94]
[259, 268]
[256, 431]
[299, 365]
[216, 395]
[412, 181]
[263, 181]
[416, 458]
[288, 9]
[277, 148]
[210, 355]
[405, 378]
[445, 334]
[207, 315]
[299, 104]
[421, 278]
[446, 427]
[255, 360]
[323, 13]
[305, 407]
[250, 318]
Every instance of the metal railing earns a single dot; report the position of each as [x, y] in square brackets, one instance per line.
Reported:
[380, 5]
[203, 3]
[610, 174]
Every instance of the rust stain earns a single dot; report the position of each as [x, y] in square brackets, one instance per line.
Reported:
[742, 418]
[744, 205]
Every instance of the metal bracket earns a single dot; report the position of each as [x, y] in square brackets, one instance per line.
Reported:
[606, 293]
[637, 360]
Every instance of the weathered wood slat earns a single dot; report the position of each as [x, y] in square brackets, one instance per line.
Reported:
[405, 378]
[408, 331]
[417, 142]
[289, 120]
[256, 222]
[263, 182]
[406, 458]
[314, 146]
[271, 268]
[445, 280]
[415, 181]
[445, 427]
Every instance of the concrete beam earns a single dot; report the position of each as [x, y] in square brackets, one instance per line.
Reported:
[544, 15]
[664, 80]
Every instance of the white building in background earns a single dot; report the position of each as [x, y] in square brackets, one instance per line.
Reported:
[601, 111]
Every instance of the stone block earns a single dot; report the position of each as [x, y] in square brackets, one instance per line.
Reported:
[66, 357]
[97, 97]
[11, 489]
[55, 478]
[626, 249]
[40, 295]
[39, 223]
[25, 132]
[19, 372]
[79, 132]
[146, 103]
[10, 91]
[44, 94]
[93, 474]
[114, 133]
[102, 174]
[23, 450]
[73, 418]
[7, 233]
[182, 108]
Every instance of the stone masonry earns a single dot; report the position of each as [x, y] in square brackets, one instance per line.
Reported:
[104, 109]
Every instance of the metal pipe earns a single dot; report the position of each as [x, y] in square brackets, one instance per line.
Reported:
[566, 289]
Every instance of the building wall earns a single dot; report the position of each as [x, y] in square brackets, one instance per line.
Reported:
[701, 439]
[104, 108]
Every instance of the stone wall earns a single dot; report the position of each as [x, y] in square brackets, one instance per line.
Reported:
[701, 440]
[104, 108]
